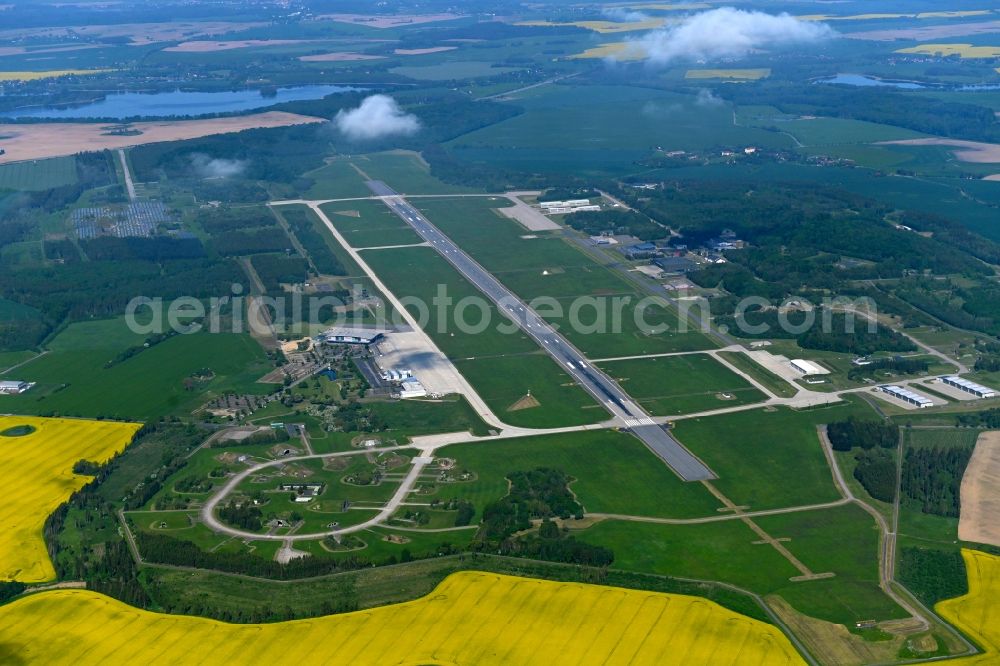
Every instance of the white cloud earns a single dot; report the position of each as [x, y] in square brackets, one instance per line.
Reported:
[726, 33]
[707, 99]
[623, 15]
[217, 167]
[378, 116]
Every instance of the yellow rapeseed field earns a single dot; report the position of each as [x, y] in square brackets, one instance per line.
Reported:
[978, 612]
[736, 74]
[961, 50]
[48, 74]
[605, 27]
[36, 476]
[471, 618]
[618, 50]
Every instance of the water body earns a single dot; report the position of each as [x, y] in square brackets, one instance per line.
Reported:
[179, 103]
[869, 81]
[865, 81]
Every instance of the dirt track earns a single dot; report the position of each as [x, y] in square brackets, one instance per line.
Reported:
[36, 141]
[979, 520]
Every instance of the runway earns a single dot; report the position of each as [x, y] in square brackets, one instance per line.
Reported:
[605, 390]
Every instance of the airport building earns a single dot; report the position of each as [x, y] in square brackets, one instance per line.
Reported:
[906, 395]
[14, 387]
[808, 367]
[411, 388]
[350, 336]
[975, 389]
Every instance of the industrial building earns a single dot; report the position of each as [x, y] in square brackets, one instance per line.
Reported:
[569, 203]
[975, 389]
[411, 388]
[14, 387]
[675, 264]
[350, 336]
[641, 251]
[808, 367]
[906, 395]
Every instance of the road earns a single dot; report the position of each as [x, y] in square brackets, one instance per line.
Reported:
[605, 390]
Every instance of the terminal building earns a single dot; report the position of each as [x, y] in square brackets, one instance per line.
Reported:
[351, 336]
[975, 389]
[906, 395]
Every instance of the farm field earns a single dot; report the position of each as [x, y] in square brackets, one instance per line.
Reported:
[977, 613]
[767, 458]
[728, 74]
[42, 140]
[48, 74]
[36, 474]
[73, 380]
[38, 175]
[458, 624]
[602, 464]
[961, 50]
[671, 385]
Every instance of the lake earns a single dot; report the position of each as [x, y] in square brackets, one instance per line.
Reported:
[178, 103]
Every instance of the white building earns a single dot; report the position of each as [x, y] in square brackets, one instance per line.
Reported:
[808, 367]
[975, 389]
[906, 395]
[8, 387]
[352, 336]
[411, 388]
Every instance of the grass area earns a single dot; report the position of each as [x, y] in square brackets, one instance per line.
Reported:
[73, 380]
[420, 275]
[336, 180]
[504, 382]
[765, 377]
[369, 224]
[424, 417]
[604, 136]
[557, 613]
[36, 462]
[844, 541]
[671, 385]
[10, 359]
[406, 172]
[596, 309]
[767, 458]
[613, 473]
[449, 71]
[38, 174]
[722, 551]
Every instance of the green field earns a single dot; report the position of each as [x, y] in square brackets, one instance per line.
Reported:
[73, 380]
[613, 472]
[404, 171]
[604, 129]
[767, 458]
[448, 71]
[671, 385]
[369, 224]
[38, 174]
[336, 180]
[503, 381]
[596, 309]
[420, 274]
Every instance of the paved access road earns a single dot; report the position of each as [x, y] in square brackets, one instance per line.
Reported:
[599, 385]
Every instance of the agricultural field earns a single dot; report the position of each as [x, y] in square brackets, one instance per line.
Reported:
[728, 74]
[961, 50]
[38, 174]
[48, 74]
[37, 456]
[671, 385]
[977, 613]
[457, 624]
